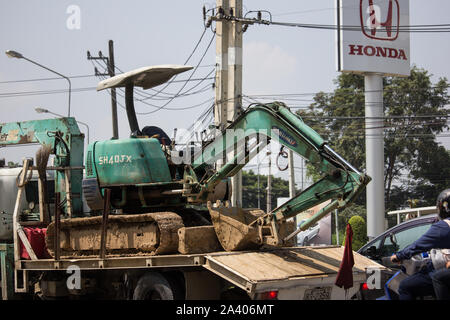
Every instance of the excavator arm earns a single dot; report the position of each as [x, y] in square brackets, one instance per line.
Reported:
[66, 142]
[243, 139]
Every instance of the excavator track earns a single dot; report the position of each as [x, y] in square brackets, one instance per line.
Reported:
[151, 233]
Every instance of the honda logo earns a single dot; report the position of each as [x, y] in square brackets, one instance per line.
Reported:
[380, 21]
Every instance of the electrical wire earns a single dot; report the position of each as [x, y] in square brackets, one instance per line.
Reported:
[167, 108]
[430, 28]
[185, 62]
[182, 87]
[46, 79]
[43, 92]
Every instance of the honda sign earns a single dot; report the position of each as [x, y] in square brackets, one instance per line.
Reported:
[370, 37]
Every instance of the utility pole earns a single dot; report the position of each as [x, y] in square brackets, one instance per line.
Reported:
[291, 178]
[269, 185]
[109, 61]
[291, 174]
[112, 73]
[234, 104]
[221, 94]
[302, 174]
[228, 100]
[337, 225]
[221, 98]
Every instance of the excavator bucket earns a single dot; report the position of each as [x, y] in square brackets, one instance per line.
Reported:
[232, 226]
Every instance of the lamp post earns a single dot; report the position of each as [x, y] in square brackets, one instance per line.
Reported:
[41, 110]
[15, 54]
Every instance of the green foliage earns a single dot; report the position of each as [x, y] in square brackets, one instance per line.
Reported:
[359, 228]
[13, 164]
[333, 237]
[280, 188]
[345, 215]
[416, 166]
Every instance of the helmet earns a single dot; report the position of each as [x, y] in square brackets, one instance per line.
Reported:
[443, 204]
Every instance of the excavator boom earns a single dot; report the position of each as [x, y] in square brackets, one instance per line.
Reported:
[341, 182]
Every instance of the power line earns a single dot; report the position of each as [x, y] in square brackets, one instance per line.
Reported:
[186, 61]
[46, 79]
[155, 106]
[302, 12]
[182, 87]
[171, 97]
[176, 95]
[430, 28]
[43, 92]
[354, 91]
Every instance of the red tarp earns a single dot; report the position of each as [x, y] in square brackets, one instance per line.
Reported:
[345, 274]
[36, 238]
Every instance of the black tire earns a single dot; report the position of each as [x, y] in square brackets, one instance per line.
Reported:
[153, 286]
[305, 241]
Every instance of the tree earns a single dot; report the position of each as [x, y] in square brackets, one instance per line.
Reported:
[280, 188]
[359, 229]
[416, 166]
[12, 164]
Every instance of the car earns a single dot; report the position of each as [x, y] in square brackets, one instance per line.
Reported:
[397, 238]
[307, 235]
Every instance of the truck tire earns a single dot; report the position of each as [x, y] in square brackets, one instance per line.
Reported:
[153, 286]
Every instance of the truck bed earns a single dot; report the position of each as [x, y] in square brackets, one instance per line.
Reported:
[260, 271]
[254, 271]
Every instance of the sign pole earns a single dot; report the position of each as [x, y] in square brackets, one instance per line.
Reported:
[375, 48]
[374, 113]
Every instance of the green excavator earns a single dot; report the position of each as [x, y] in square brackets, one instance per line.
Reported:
[154, 190]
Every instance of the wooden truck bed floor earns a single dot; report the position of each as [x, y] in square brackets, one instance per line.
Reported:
[265, 270]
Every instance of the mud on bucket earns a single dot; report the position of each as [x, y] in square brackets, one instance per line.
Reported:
[232, 226]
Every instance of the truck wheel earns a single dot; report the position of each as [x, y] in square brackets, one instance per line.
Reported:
[153, 286]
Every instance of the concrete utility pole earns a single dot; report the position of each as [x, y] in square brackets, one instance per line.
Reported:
[336, 225]
[269, 185]
[228, 100]
[235, 85]
[291, 174]
[221, 98]
[373, 84]
[291, 177]
[111, 73]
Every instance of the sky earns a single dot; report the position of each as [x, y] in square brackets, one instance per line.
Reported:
[276, 59]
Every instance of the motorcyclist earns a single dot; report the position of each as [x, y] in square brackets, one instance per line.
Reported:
[441, 283]
[438, 236]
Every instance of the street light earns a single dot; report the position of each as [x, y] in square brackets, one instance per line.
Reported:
[15, 54]
[41, 110]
